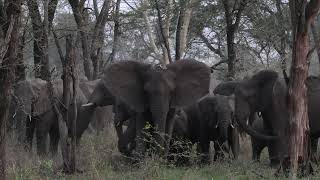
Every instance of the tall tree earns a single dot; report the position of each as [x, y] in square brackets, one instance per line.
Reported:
[302, 15]
[233, 11]
[40, 36]
[185, 12]
[9, 36]
[91, 50]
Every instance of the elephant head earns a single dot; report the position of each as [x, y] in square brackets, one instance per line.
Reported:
[261, 93]
[157, 89]
[218, 114]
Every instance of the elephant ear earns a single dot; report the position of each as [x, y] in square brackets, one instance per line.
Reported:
[125, 81]
[40, 102]
[192, 80]
[226, 88]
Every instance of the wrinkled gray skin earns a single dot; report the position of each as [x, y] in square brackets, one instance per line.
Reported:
[208, 120]
[265, 92]
[157, 91]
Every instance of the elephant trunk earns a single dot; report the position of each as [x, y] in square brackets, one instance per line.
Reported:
[242, 114]
[223, 129]
[159, 109]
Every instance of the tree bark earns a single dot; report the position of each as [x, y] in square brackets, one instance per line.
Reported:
[282, 35]
[116, 32]
[10, 29]
[232, 12]
[302, 15]
[40, 41]
[164, 31]
[91, 51]
[182, 27]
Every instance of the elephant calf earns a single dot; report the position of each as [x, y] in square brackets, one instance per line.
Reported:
[208, 120]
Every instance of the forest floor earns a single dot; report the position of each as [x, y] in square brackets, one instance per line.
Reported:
[98, 158]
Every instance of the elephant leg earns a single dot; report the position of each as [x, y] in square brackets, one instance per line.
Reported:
[54, 140]
[41, 141]
[233, 141]
[204, 150]
[126, 141]
[169, 128]
[274, 155]
[314, 146]
[30, 127]
[257, 148]
[140, 143]
[218, 153]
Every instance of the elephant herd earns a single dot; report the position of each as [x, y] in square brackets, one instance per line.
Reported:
[167, 104]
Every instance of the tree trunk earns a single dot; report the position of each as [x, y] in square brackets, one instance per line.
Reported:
[164, 31]
[40, 41]
[232, 11]
[302, 14]
[7, 70]
[282, 35]
[116, 32]
[182, 27]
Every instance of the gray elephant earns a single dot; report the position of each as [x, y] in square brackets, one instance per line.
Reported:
[153, 92]
[258, 145]
[211, 119]
[265, 92]
[102, 114]
[20, 107]
[101, 97]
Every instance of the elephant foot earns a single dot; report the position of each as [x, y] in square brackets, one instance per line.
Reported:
[218, 157]
[274, 163]
[204, 159]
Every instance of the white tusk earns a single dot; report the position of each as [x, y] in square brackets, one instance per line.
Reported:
[232, 126]
[88, 104]
[14, 115]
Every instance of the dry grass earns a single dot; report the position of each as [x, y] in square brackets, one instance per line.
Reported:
[99, 159]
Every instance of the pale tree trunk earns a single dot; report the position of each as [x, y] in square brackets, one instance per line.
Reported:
[150, 34]
[8, 60]
[302, 15]
[182, 27]
[164, 28]
[233, 11]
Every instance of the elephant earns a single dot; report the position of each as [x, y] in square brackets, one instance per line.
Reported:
[44, 119]
[102, 114]
[153, 92]
[210, 119]
[266, 92]
[20, 107]
[258, 145]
